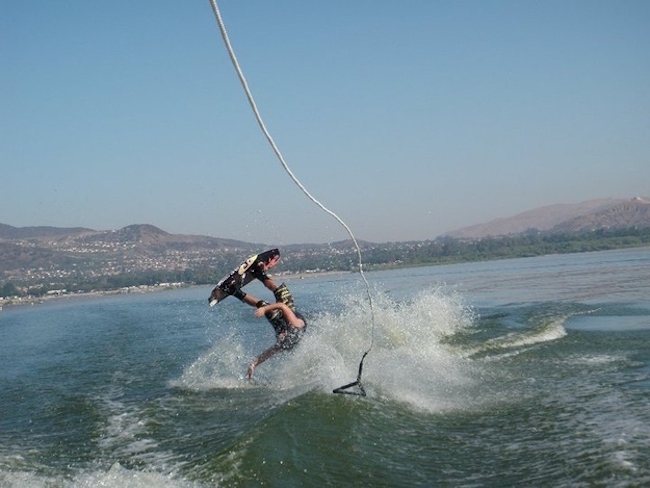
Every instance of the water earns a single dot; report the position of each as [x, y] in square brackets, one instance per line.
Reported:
[525, 372]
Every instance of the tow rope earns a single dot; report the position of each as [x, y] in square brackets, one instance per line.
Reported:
[276, 150]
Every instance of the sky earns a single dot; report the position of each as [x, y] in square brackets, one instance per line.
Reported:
[406, 119]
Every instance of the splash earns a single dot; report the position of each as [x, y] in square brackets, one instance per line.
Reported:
[430, 352]
[411, 361]
[222, 366]
[117, 476]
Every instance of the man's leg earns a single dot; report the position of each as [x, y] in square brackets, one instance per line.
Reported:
[261, 358]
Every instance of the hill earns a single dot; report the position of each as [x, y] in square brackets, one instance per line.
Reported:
[139, 235]
[55, 252]
[589, 215]
[634, 213]
[37, 260]
[10, 232]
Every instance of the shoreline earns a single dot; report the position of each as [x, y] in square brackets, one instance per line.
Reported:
[42, 300]
[23, 301]
[141, 289]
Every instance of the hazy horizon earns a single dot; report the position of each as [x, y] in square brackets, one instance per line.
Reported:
[545, 219]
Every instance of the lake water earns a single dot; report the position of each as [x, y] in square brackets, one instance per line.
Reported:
[523, 372]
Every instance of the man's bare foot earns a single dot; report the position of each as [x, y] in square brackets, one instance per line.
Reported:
[251, 370]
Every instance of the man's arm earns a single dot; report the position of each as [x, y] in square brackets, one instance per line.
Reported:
[289, 316]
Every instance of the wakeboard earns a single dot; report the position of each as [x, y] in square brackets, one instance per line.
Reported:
[243, 274]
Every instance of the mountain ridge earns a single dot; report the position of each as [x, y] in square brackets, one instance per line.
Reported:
[588, 215]
[562, 217]
[145, 234]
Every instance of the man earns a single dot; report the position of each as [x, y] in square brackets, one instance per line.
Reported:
[288, 323]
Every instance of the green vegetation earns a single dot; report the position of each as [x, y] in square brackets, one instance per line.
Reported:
[532, 243]
[8, 290]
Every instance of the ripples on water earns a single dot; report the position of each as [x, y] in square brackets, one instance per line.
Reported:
[520, 372]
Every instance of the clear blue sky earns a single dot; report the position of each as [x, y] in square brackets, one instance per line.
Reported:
[408, 119]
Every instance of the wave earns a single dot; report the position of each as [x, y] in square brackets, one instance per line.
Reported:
[125, 432]
[540, 324]
[514, 343]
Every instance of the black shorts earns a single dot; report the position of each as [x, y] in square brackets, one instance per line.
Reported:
[292, 337]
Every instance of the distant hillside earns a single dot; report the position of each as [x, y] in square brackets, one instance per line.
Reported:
[157, 240]
[39, 247]
[635, 213]
[41, 259]
[140, 234]
[611, 213]
[10, 232]
[589, 215]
